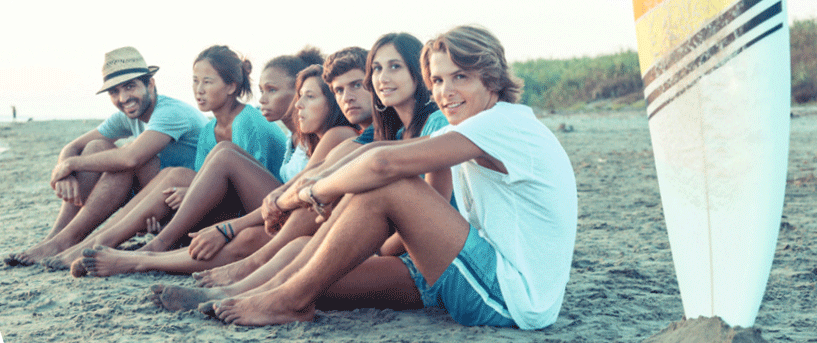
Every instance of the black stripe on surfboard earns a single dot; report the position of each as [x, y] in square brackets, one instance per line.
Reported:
[697, 39]
[704, 57]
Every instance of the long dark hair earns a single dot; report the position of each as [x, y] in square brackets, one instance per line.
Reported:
[387, 122]
[335, 117]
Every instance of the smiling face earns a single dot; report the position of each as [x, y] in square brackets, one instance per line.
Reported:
[312, 106]
[132, 98]
[460, 94]
[212, 94]
[391, 79]
[354, 100]
[277, 90]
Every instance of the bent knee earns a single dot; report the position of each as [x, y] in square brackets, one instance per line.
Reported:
[97, 145]
[179, 176]
[225, 145]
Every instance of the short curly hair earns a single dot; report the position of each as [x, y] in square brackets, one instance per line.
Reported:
[343, 61]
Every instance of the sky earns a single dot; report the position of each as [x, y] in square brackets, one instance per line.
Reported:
[51, 52]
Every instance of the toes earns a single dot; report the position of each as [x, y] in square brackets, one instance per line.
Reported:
[54, 263]
[157, 288]
[89, 252]
[208, 308]
[198, 276]
[78, 269]
[11, 260]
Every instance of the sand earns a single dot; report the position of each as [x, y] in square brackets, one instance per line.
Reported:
[622, 286]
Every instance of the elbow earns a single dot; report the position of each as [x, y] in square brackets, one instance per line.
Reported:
[382, 165]
[131, 163]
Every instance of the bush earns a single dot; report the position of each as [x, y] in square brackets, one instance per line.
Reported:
[572, 83]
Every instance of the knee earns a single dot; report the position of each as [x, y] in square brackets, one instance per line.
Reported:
[226, 154]
[96, 146]
[224, 146]
[177, 176]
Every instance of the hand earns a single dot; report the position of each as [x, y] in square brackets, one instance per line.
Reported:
[67, 189]
[272, 214]
[206, 243]
[175, 195]
[60, 171]
[324, 210]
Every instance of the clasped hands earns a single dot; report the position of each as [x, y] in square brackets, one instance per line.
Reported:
[278, 204]
[65, 184]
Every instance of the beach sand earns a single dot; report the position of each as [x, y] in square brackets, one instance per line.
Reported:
[622, 286]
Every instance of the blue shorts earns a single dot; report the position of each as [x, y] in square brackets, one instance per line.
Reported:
[468, 289]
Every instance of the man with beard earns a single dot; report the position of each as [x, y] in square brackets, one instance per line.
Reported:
[94, 176]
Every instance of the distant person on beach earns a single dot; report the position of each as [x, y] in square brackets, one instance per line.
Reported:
[322, 127]
[241, 141]
[13, 113]
[94, 176]
[502, 260]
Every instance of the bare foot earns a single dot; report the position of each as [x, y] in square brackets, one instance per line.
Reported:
[78, 269]
[38, 252]
[260, 310]
[12, 260]
[176, 298]
[156, 294]
[54, 263]
[225, 275]
[104, 261]
[208, 308]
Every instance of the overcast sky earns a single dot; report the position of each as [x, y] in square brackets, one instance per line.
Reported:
[51, 54]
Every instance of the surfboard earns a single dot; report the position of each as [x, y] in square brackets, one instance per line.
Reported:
[718, 87]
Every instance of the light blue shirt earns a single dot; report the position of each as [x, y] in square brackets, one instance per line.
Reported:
[172, 117]
[252, 132]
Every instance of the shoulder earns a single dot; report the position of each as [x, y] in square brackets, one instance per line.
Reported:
[436, 120]
[339, 133]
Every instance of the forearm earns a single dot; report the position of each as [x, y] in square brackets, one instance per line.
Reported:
[249, 220]
[366, 172]
[112, 160]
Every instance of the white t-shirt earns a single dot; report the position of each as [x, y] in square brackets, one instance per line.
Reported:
[528, 215]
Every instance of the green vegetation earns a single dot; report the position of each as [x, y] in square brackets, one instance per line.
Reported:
[804, 61]
[612, 82]
[570, 84]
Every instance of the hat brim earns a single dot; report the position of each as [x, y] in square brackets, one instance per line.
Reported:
[115, 81]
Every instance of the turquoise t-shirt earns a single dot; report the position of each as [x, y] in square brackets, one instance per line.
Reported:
[434, 122]
[366, 137]
[172, 117]
[252, 132]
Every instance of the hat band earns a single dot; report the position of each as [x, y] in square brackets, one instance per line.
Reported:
[125, 71]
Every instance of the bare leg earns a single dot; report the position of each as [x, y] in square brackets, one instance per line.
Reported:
[187, 298]
[300, 223]
[105, 262]
[150, 202]
[226, 167]
[432, 239]
[109, 193]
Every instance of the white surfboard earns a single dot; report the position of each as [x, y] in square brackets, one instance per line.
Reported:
[718, 88]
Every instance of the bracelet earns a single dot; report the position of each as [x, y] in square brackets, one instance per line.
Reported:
[315, 204]
[223, 232]
[275, 202]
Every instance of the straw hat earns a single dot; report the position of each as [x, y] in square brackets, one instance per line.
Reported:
[122, 65]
